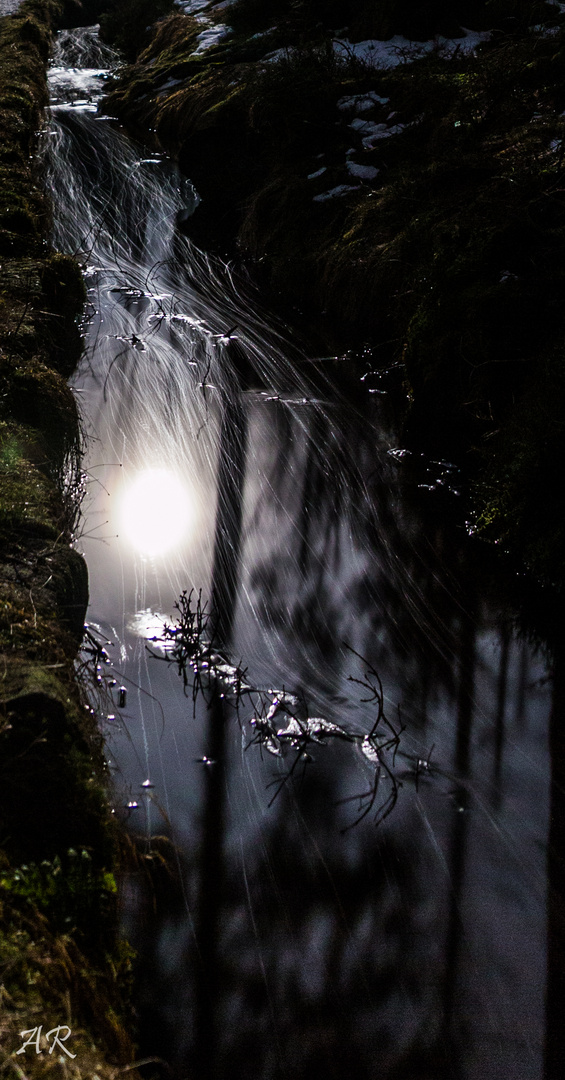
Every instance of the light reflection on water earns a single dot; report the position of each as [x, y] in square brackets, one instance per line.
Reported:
[157, 512]
[414, 949]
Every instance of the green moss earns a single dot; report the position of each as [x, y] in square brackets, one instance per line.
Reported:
[33, 394]
[48, 981]
[27, 496]
[61, 961]
[70, 891]
[34, 32]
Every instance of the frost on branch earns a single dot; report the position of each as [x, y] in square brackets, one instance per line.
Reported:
[279, 722]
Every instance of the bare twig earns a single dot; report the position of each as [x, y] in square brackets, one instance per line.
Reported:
[279, 722]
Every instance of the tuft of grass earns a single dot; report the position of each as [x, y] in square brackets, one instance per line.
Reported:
[48, 981]
[126, 23]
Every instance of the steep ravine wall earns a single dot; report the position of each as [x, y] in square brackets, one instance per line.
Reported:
[61, 963]
[413, 211]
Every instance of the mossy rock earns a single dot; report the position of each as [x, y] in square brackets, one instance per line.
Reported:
[62, 283]
[34, 33]
[33, 394]
[55, 798]
[58, 934]
[29, 499]
[70, 586]
[43, 600]
[60, 306]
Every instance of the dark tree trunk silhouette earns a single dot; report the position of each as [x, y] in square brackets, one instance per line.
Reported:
[555, 1037]
[231, 470]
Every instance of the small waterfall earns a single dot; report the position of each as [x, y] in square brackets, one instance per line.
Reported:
[213, 463]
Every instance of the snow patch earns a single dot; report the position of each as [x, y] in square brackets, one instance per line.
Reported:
[557, 4]
[335, 193]
[169, 84]
[190, 7]
[212, 36]
[279, 54]
[399, 50]
[362, 172]
[361, 102]
[369, 127]
[372, 132]
[313, 175]
[262, 34]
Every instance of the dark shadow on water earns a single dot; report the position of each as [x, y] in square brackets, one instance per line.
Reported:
[360, 954]
[291, 945]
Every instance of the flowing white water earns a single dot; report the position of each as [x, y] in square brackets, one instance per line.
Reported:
[356, 952]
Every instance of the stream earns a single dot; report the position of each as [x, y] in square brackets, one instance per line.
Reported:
[315, 923]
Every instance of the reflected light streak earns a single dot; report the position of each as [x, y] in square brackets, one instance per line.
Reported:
[157, 512]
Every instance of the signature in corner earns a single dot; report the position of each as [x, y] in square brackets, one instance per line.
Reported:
[35, 1039]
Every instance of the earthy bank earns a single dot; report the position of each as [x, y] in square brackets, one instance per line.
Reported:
[61, 963]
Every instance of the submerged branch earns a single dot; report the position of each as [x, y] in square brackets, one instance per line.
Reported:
[279, 720]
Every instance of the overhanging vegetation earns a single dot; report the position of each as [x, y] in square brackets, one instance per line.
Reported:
[417, 207]
[61, 964]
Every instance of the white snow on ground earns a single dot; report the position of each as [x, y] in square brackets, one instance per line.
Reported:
[372, 132]
[214, 32]
[335, 192]
[190, 7]
[195, 7]
[280, 54]
[7, 7]
[361, 102]
[211, 36]
[557, 4]
[169, 84]
[399, 50]
[263, 33]
[362, 172]
[546, 31]
[313, 175]
[370, 127]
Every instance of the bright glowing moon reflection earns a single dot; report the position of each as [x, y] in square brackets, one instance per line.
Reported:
[157, 511]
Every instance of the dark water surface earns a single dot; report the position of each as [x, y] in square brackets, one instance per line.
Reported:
[299, 943]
